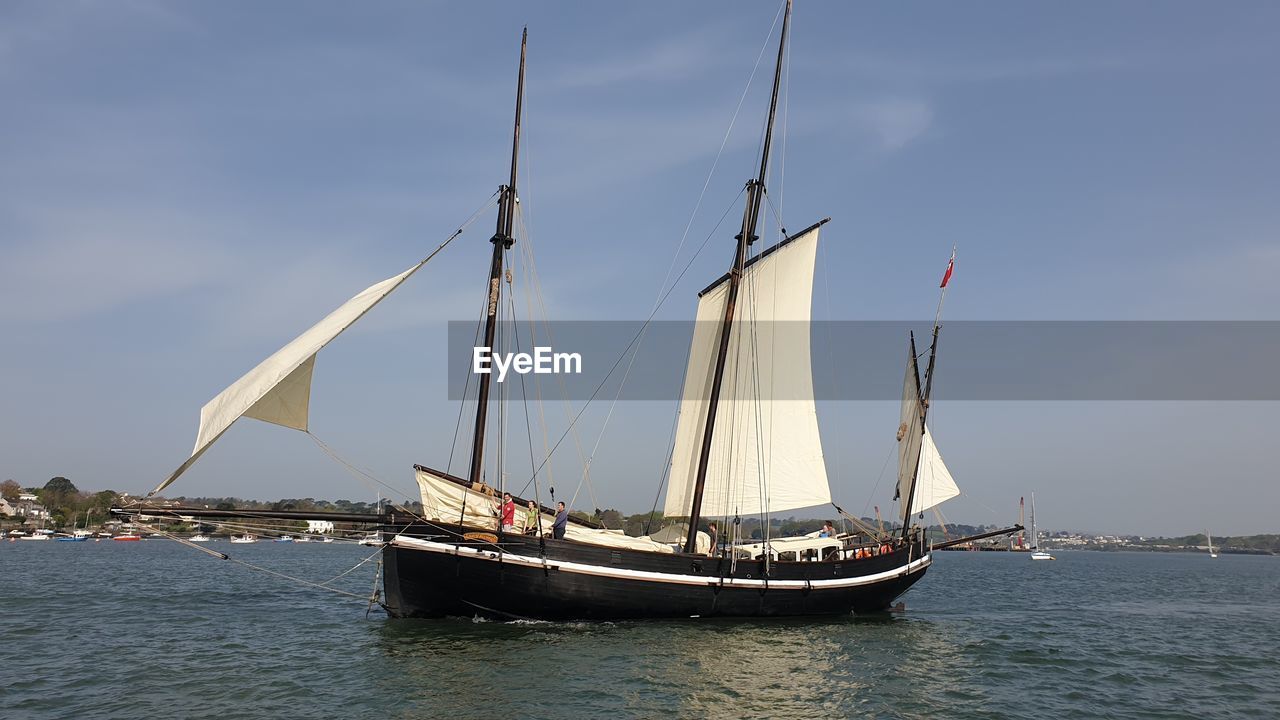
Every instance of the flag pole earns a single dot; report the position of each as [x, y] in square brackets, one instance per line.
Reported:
[946, 278]
[937, 325]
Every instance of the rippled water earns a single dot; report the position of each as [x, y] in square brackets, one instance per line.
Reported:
[155, 629]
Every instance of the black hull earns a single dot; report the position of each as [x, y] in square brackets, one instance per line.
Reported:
[527, 578]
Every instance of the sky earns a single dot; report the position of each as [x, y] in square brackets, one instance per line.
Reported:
[184, 187]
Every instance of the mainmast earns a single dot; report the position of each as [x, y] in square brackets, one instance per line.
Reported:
[750, 219]
[502, 241]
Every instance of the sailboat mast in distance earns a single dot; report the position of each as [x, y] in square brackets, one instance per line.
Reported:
[502, 241]
[750, 218]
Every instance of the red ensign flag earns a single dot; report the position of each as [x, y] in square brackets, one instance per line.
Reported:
[946, 277]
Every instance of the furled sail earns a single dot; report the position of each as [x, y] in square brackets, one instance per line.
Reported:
[278, 390]
[910, 431]
[934, 484]
[453, 501]
[766, 454]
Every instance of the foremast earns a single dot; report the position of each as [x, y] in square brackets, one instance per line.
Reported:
[747, 236]
[502, 241]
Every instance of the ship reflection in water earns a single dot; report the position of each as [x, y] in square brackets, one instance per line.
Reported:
[706, 668]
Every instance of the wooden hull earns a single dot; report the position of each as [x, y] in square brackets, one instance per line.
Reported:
[523, 577]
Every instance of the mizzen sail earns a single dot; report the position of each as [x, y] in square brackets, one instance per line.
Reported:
[910, 432]
[766, 453]
[278, 390]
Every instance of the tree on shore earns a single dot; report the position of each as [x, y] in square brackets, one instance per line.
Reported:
[10, 489]
[60, 496]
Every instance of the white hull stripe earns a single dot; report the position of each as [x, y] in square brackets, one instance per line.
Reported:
[622, 573]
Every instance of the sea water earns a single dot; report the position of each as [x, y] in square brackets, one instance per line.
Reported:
[155, 629]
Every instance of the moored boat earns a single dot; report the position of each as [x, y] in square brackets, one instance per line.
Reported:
[1036, 552]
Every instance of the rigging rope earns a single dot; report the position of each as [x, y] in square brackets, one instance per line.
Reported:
[363, 475]
[663, 290]
[627, 349]
[245, 563]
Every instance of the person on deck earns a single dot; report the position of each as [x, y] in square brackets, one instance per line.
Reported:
[561, 523]
[827, 530]
[531, 519]
[508, 513]
[715, 539]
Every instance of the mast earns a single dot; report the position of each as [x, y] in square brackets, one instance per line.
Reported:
[937, 325]
[502, 241]
[750, 219]
[1035, 534]
[928, 389]
[915, 470]
[1020, 509]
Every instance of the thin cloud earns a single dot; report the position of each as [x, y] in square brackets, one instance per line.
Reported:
[87, 261]
[895, 122]
[667, 60]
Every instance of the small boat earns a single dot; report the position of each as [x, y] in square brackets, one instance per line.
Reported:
[34, 536]
[201, 537]
[327, 539]
[303, 538]
[1212, 554]
[241, 539]
[371, 539]
[127, 537]
[76, 535]
[1036, 552]
[284, 538]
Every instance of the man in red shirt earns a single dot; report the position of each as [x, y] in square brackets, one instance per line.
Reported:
[508, 513]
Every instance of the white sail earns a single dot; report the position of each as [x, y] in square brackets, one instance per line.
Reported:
[278, 390]
[1035, 534]
[1036, 552]
[934, 484]
[450, 502]
[766, 454]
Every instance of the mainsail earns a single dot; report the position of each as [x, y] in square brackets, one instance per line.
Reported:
[766, 454]
[278, 390]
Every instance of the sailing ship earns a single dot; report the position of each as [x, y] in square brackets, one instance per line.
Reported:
[747, 443]
[1036, 552]
[1212, 554]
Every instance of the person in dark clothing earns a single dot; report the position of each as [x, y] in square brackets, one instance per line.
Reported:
[715, 539]
[562, 521]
